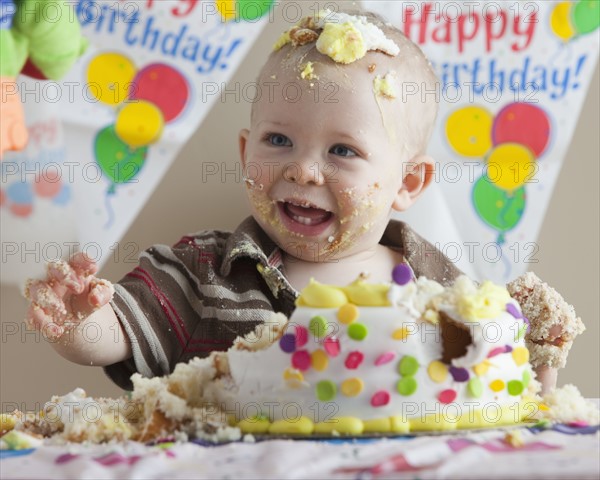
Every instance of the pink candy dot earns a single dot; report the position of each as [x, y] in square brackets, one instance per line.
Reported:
[301, 336]
[353, 360]
[384, 358]
[380, 398]
[447, 396]
[332, 346]
[496, 351]
[301, 360]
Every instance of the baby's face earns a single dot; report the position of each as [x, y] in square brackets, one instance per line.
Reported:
[324, 168]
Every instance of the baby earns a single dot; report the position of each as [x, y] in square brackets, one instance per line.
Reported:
[335, 145]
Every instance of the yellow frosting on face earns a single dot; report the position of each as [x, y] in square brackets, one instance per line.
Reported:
[308, 72]
[487, 302]
[384, 87]
[343, 43]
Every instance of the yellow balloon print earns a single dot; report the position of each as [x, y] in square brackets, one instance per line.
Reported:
[510, 165]
[139, 124]
[560, 21]
[109, 77]
[468, 130]
[226, 8]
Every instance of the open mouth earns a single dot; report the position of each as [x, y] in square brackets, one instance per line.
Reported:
[304, 218]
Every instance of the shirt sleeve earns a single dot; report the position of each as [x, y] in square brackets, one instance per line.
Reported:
[157, 308]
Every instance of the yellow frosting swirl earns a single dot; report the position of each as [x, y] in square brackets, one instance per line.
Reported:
[488, 301]
[341, 42]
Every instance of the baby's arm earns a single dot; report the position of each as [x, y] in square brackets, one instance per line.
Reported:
[71, 308]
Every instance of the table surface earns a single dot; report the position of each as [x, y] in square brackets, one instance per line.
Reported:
[560, 452]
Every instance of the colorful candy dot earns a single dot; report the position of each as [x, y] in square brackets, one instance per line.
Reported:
[520, 355]
[301, 360]
[354, 359]
[293, 374]
[348, 313]
[526, 378]
[459, 374]
[380, 398]
[513, 310]
[497, 385]
[508, 348]
[357, 331]
[402, 274]
[447, 396]
[475, 387]
[352, 387]
[578, 424]
[521, 332]
[408, 365]
[319, 360]
[326, 390]
[332, 346]
[407, 386]
[400, 333]
[481, 368]
[437, 371]
[515, 387]
[288, 343]
[495, 351]
[318, 326]
[301, 336]
[384, 358]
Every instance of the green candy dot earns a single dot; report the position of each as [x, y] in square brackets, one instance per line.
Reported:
[526, 378]
[318, 326]
[521, 332]
[475, 387]
[326, 390]
[407, 386]
[408, 365]
[515, 387]
[357, 331]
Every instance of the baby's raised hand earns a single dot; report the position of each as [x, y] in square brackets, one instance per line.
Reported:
[68, 295]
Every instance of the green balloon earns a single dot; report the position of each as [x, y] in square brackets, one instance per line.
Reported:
[118, 161]
[586, 16]
[496, 207]
[253, 9]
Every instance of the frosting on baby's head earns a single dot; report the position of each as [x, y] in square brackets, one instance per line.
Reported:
[340, 48]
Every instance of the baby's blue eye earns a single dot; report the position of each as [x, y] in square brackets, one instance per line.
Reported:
[279, 140]
[342, 151]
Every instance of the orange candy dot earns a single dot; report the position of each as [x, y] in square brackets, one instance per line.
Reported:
[352, 387]
[348, 313]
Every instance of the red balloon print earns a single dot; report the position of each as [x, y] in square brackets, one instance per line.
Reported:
[163, 86]
[522, 123]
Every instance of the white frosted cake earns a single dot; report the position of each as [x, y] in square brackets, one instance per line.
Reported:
[367, 357]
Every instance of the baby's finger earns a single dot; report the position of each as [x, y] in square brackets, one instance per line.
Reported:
[83, 265]
[101, 292]
[38, 319]
[61, 272]
[42, 294]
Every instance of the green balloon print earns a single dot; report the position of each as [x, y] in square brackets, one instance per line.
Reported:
[499, 209]
[586, 16]
[118, 161]
[253, 9]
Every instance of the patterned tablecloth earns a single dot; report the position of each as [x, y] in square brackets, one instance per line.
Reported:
[560, 452]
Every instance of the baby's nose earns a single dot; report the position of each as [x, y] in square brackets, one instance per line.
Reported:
[307, 172]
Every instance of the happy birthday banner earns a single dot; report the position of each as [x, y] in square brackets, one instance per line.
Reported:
[104, 136]
[513, 76]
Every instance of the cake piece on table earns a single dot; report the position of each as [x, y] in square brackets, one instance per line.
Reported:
[553, 325]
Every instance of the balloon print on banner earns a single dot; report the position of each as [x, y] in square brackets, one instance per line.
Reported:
[571, 19]
[19, 197]
[509, 144]
[145, 101]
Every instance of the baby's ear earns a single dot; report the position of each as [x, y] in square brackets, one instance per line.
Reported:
[417, 174]
[243, 141]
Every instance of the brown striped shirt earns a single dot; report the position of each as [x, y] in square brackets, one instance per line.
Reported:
[200, 294]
